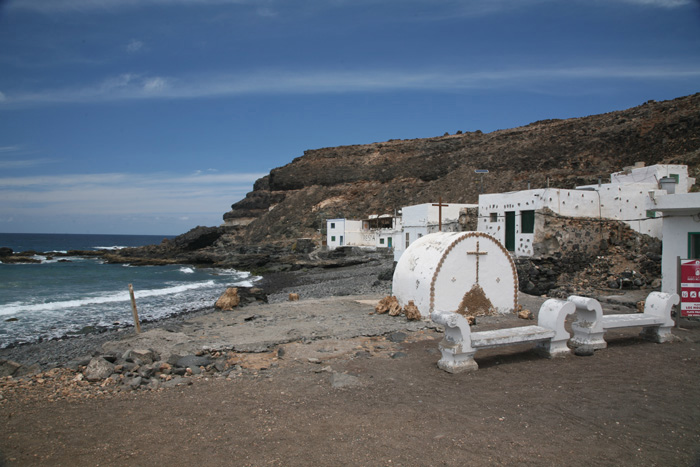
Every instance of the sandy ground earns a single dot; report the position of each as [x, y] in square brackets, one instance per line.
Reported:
[378, 398]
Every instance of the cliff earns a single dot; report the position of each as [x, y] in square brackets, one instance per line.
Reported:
[293, 201]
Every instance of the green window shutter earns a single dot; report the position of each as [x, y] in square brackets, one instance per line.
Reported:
[527, 222]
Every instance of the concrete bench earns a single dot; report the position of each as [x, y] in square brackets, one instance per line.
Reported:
[460, 344]
[591, 324]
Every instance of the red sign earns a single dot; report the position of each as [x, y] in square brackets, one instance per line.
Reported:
[690, 287]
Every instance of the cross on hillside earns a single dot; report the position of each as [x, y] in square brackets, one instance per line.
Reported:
[477, 253]
[440, 205]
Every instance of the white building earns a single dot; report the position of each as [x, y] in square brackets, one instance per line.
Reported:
[681, 233]
[513, 217]
[422, 219]
[373, 232]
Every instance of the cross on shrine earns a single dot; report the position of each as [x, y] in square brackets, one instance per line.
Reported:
[477, 253]
[440, 206]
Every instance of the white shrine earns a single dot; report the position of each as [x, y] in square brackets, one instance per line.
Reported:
[470, 273]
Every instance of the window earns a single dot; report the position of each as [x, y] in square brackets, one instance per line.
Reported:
[407, 239]
[332, 225]
[651, 214]
[527, 222]
[493, 217]
[333, 238]
[381, 241]
[693, 245]
[676, 177]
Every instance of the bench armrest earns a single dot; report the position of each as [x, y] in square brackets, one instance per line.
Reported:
[660, 304]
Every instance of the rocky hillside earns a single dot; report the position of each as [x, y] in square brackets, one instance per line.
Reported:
[354, 181]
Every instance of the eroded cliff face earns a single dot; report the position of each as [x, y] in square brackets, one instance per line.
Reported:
[293, 201]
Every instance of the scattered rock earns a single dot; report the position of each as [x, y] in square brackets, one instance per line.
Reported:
[228, 300]
[525, 314]
[411, 311]
[8, 367]
[397, 336]
[193, 361]
[399, 355]
[98, 369]
[388, 304]
[293, 297]
[640, 306]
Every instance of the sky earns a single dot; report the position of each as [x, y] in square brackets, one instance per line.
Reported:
[154, 116]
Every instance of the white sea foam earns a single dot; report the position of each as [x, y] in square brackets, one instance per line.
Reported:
[115, 247]
[187, 270]
[109, 298]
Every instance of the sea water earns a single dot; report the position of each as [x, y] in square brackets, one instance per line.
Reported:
[56, 297]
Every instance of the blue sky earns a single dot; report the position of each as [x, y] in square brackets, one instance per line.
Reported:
[154, 116]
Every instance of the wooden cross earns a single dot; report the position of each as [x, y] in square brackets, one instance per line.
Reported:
[440, 205]
[477, 253]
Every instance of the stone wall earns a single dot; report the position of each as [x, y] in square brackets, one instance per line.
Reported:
[579, 255]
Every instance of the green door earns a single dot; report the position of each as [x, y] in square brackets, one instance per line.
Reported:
[510, 230]
[389, 242]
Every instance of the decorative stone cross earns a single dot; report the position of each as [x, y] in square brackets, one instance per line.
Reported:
[477, 253]
[440, 206]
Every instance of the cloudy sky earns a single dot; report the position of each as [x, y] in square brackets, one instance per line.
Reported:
[154, 116]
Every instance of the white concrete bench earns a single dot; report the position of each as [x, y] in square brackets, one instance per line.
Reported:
[591, 324]
[460, 344]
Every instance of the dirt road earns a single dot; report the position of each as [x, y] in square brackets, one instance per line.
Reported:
[371, 401]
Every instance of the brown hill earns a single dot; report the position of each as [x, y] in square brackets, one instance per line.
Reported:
[293, 201]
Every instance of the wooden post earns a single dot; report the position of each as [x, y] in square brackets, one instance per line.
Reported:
[440, 205]
[133, 309]
[678, 291]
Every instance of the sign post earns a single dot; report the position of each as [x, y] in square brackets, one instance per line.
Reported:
[690, 288]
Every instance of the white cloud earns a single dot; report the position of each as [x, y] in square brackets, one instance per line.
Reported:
[2, 97]
[268, 7]
[134, 46]
[9, 149]
[130, 86]
[53, 6]
[123, 194]
[24, 163]
[659, 3]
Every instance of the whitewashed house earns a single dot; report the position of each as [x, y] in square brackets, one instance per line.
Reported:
[421, 219]
[516, 218]
[377, 231]
[681, 233]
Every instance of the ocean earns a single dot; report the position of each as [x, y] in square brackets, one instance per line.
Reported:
[57, 298]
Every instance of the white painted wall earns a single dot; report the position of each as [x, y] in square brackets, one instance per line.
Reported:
[624, 199]
[681, 216]
[423, 219]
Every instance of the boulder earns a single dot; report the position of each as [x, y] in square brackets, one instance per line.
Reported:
[193, 361]
[388, 304]
[228, 300]
[8, 367]
[411, 311]
[98, 369]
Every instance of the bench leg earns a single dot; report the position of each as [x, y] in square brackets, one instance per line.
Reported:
[584, 336]
[658, 334]
[554, 348]
[455, 361]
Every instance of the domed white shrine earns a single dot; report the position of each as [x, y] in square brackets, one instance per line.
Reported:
[470, 273]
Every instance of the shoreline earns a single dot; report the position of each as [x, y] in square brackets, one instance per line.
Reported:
[310, 283]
